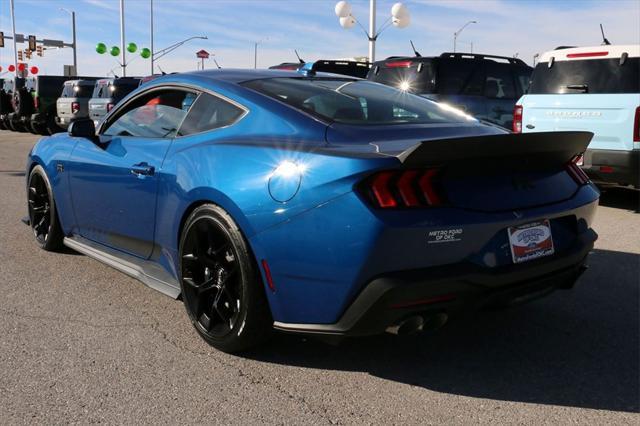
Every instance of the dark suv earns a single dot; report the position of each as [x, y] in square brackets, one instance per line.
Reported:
[485, 86]
[41, 114]
[350, 68]
[107, 93]
[13, 90]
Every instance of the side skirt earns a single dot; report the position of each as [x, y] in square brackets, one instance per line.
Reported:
[146, 271]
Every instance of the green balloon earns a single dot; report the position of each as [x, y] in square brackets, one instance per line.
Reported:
[132, 47]
[115, 51]
[101, 48]
[145, 53]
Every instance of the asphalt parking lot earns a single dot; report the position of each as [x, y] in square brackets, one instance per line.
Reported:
[83, 343]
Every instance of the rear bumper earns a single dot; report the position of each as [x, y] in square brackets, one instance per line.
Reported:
[450, 289]
[612, 166]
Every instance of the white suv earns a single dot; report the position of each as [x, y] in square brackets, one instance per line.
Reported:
[596, 89]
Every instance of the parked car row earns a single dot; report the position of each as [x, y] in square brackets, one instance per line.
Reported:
[47, 104]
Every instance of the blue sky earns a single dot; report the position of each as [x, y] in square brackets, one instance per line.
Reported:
[505, 27]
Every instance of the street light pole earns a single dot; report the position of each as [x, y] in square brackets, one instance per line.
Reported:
[151, 36]
[122, 50]
[255, 55]
[13, 24]
[75, 55]
[73, 44]
[372, 31]
[457, 33]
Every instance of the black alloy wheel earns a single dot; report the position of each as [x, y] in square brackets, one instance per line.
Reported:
[43, 217]
[221, 288]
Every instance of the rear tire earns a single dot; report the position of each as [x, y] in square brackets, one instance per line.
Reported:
[221, 286]
[43, 216]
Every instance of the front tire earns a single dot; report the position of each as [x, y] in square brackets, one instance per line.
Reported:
[221, 285]
[43, 216]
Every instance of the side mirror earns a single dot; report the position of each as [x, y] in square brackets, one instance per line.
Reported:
[83, 128]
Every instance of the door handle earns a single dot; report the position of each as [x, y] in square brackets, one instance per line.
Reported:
[143, 169]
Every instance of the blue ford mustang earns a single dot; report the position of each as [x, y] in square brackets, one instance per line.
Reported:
[312, 203]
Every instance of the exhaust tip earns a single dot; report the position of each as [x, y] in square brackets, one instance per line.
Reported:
[407, 326]
[417, 324]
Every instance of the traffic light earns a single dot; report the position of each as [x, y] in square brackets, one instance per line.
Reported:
[20, 55]
[27, 53]
[39, 50]
[1, 38]
[32, 43]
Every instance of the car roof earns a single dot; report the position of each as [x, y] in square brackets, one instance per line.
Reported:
[243, 75]
[601, 52]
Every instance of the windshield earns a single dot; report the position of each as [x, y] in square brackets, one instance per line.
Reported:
[356, 101]
[586, 76]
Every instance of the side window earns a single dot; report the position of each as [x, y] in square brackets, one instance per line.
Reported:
[209, 112]
[157, 114]
[499, 82]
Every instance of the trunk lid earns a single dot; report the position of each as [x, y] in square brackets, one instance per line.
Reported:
[480, 168]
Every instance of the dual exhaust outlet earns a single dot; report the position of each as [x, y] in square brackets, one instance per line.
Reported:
[417, 323]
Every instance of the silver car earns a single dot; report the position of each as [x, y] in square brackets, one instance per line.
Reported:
[73, 103]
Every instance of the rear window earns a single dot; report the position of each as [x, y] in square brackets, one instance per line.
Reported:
[414, 76]
[355, 101]
[110, 90]
[460, 77]
[77, 90]
[586, 76]
[353, 69]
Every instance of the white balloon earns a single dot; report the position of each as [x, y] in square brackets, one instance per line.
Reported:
[399, 10]
[347, 22]
[401, 22]
[343, 9]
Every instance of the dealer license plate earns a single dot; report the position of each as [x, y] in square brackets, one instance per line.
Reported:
[530, 241]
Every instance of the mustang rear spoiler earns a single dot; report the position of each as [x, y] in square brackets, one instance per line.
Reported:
[518, 152]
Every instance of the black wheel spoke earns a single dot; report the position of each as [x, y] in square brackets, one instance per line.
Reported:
[211, 281]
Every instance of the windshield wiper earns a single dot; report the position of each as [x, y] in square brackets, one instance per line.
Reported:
[582, 87]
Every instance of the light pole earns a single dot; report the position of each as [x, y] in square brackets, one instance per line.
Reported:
[399, 18]
[151, 32]
[13, 25]
[73, 29]
[255, 51]
[122, 50]
[457, 33]
[160, 53]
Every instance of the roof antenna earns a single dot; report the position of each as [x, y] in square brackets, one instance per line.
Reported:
[299, 58]
[217, 65]
[605, 42]
[161, 70]
[418, 55]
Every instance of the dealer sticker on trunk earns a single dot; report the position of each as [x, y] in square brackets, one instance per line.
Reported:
[530, 241]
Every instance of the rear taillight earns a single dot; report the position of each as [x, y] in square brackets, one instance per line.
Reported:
[36, 102]
[75, 107]
[404, 188]
[109, 107]
[636, 126]
[576, 171]
[398, 64]
[517, 119]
